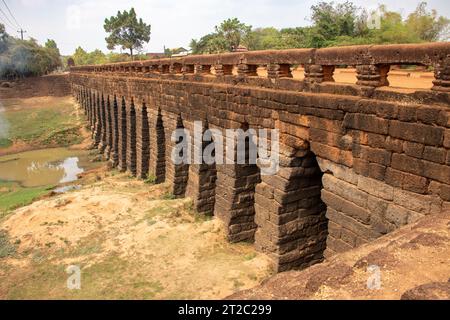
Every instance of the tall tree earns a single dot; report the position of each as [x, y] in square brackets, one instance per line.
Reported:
[51, 44]
[227, 36]
[428, 25]
[127, 31]
[332, 20]
[233, 31]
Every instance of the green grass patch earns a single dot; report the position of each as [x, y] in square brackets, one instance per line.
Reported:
[7, 249]
[46, 125]
[150, 180]
[13, 196]
[168, 196]
[250, 256]
[5, 143]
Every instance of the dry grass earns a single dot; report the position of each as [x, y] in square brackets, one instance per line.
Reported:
[131, 242]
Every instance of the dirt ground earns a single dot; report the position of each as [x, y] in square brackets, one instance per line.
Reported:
[412, 263]
[131, 240]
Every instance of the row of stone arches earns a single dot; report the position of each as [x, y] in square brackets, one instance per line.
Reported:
[283, 214]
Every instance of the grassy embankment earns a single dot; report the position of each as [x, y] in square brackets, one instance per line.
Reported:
[31, 124]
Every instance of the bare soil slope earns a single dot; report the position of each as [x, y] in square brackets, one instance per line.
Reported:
[414, 263]
[131, 240]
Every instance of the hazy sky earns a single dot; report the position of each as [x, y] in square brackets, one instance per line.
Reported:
[174, 23]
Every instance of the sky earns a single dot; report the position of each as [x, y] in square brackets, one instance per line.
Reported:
[73, 23]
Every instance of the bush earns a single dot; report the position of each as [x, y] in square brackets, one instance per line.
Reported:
[25, 58]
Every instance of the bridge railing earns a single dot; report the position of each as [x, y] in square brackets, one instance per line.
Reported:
[372, 63]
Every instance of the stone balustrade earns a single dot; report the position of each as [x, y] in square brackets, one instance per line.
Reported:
[372, 63]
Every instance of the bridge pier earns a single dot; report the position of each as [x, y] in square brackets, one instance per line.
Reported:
[108, 129]
[142, 142]
[292, 227]
[122, 141]
[90, 110]
[157, 162]
[96, 133]
[114, 154]
[102, 125]
[176, 174]
[131, 139]
[235, 194]
[201, 186]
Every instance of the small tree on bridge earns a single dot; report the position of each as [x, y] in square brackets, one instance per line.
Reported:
[127, 31]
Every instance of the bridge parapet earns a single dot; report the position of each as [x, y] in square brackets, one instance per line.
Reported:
[372, 63]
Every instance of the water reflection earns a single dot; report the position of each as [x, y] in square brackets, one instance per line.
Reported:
[71, 170]
[43, 167]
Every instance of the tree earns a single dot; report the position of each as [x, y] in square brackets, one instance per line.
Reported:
[204, 45]
[23, 58]
[227, 36]
[126, 31]
[51, 44]
[428, 25]
[263, 39]
[232, 31]
[332, 20]
[80, 56]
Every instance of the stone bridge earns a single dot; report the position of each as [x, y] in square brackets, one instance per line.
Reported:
[357, 160]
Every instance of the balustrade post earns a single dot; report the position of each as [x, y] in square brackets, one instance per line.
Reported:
[316, 73]
[372, 75]
[442, 75]
[247, 70]
[275, 71]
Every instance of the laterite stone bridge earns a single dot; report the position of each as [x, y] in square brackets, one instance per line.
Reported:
[357, 160]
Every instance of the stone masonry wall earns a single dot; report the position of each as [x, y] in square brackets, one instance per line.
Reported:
[357, 161]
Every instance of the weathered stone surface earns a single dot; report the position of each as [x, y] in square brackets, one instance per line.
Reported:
[345, 276]
[373, 160]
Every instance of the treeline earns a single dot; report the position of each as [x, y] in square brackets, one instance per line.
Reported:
[25, 58]
[82, 57]
[333, 24]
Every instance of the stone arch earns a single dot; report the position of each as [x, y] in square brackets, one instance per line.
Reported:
[143, 142]
[97, 121]
[131, 138]
[108, 128]
[102, 122]
[235, 195]
[158, 150]
[89, 107]
[114, 154]
[202, 175]
[85, 105]
[122, 143]
[180, 171]
[93, 111]
[83, 99]
[290, 214]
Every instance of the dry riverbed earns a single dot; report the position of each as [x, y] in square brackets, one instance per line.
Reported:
[131, 240]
